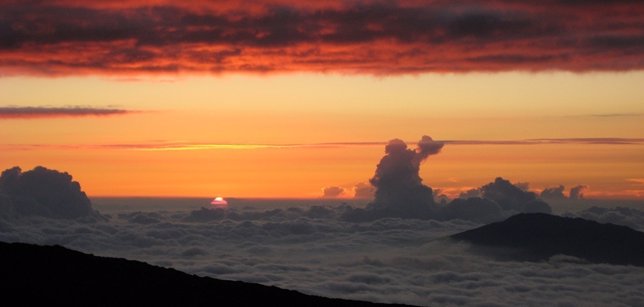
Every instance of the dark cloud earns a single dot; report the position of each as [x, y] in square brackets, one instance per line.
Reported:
[399, 188]
[495, 201]
[401, 193]
[320, 212]
[440, 197]
[577, 192]
[553, 193]
[513, 198]
[206, 214]
[471, 193]
[71, 37]
[15, 112]
[523, 186]
[43, 192]
[144, 218]
[474, 209]
[332, 192]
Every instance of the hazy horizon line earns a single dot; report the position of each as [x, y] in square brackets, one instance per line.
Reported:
[286, 198]
[175, 146]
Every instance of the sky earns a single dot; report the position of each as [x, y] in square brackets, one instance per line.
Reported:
[286, 98]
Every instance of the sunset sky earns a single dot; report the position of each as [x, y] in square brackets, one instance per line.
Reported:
[284, 98]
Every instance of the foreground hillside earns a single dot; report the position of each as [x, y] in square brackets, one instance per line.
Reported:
[35, 274]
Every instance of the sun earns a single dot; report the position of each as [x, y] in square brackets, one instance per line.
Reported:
[219, 202]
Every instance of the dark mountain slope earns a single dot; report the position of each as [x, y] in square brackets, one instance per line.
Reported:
[35, 275]
[539, 236]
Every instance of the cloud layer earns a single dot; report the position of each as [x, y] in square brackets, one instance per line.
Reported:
[307, 248]
[392, 37]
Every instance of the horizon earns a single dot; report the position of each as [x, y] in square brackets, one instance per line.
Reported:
[448, 171]
[316, 198]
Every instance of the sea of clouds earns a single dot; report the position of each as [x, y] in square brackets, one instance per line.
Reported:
[307, 246]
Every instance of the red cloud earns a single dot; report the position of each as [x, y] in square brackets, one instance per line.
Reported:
[149, 37]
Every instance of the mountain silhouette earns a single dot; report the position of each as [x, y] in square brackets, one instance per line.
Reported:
[54, 275]
[538, 236]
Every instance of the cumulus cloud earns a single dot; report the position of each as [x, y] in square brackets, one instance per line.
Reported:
[15, 112]
[392, 37]
[332, 192]
[471, 193]
[577, 192]
[523, 186]
[43, 192]
[440, 197]
[363, 191]
[475, 209]
[553, 193]
[397, 180]
[401, 193]
[557, 193]
[495, 201]
[399, 188]
[513, 198]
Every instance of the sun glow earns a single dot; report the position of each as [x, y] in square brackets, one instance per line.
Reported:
[219, 202]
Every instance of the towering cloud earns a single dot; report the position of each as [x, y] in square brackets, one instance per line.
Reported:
[401, 193]
[399, 188]
[553, 193]
[379, 37]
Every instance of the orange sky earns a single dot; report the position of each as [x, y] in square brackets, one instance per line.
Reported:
[282, 98]
[129, 154]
